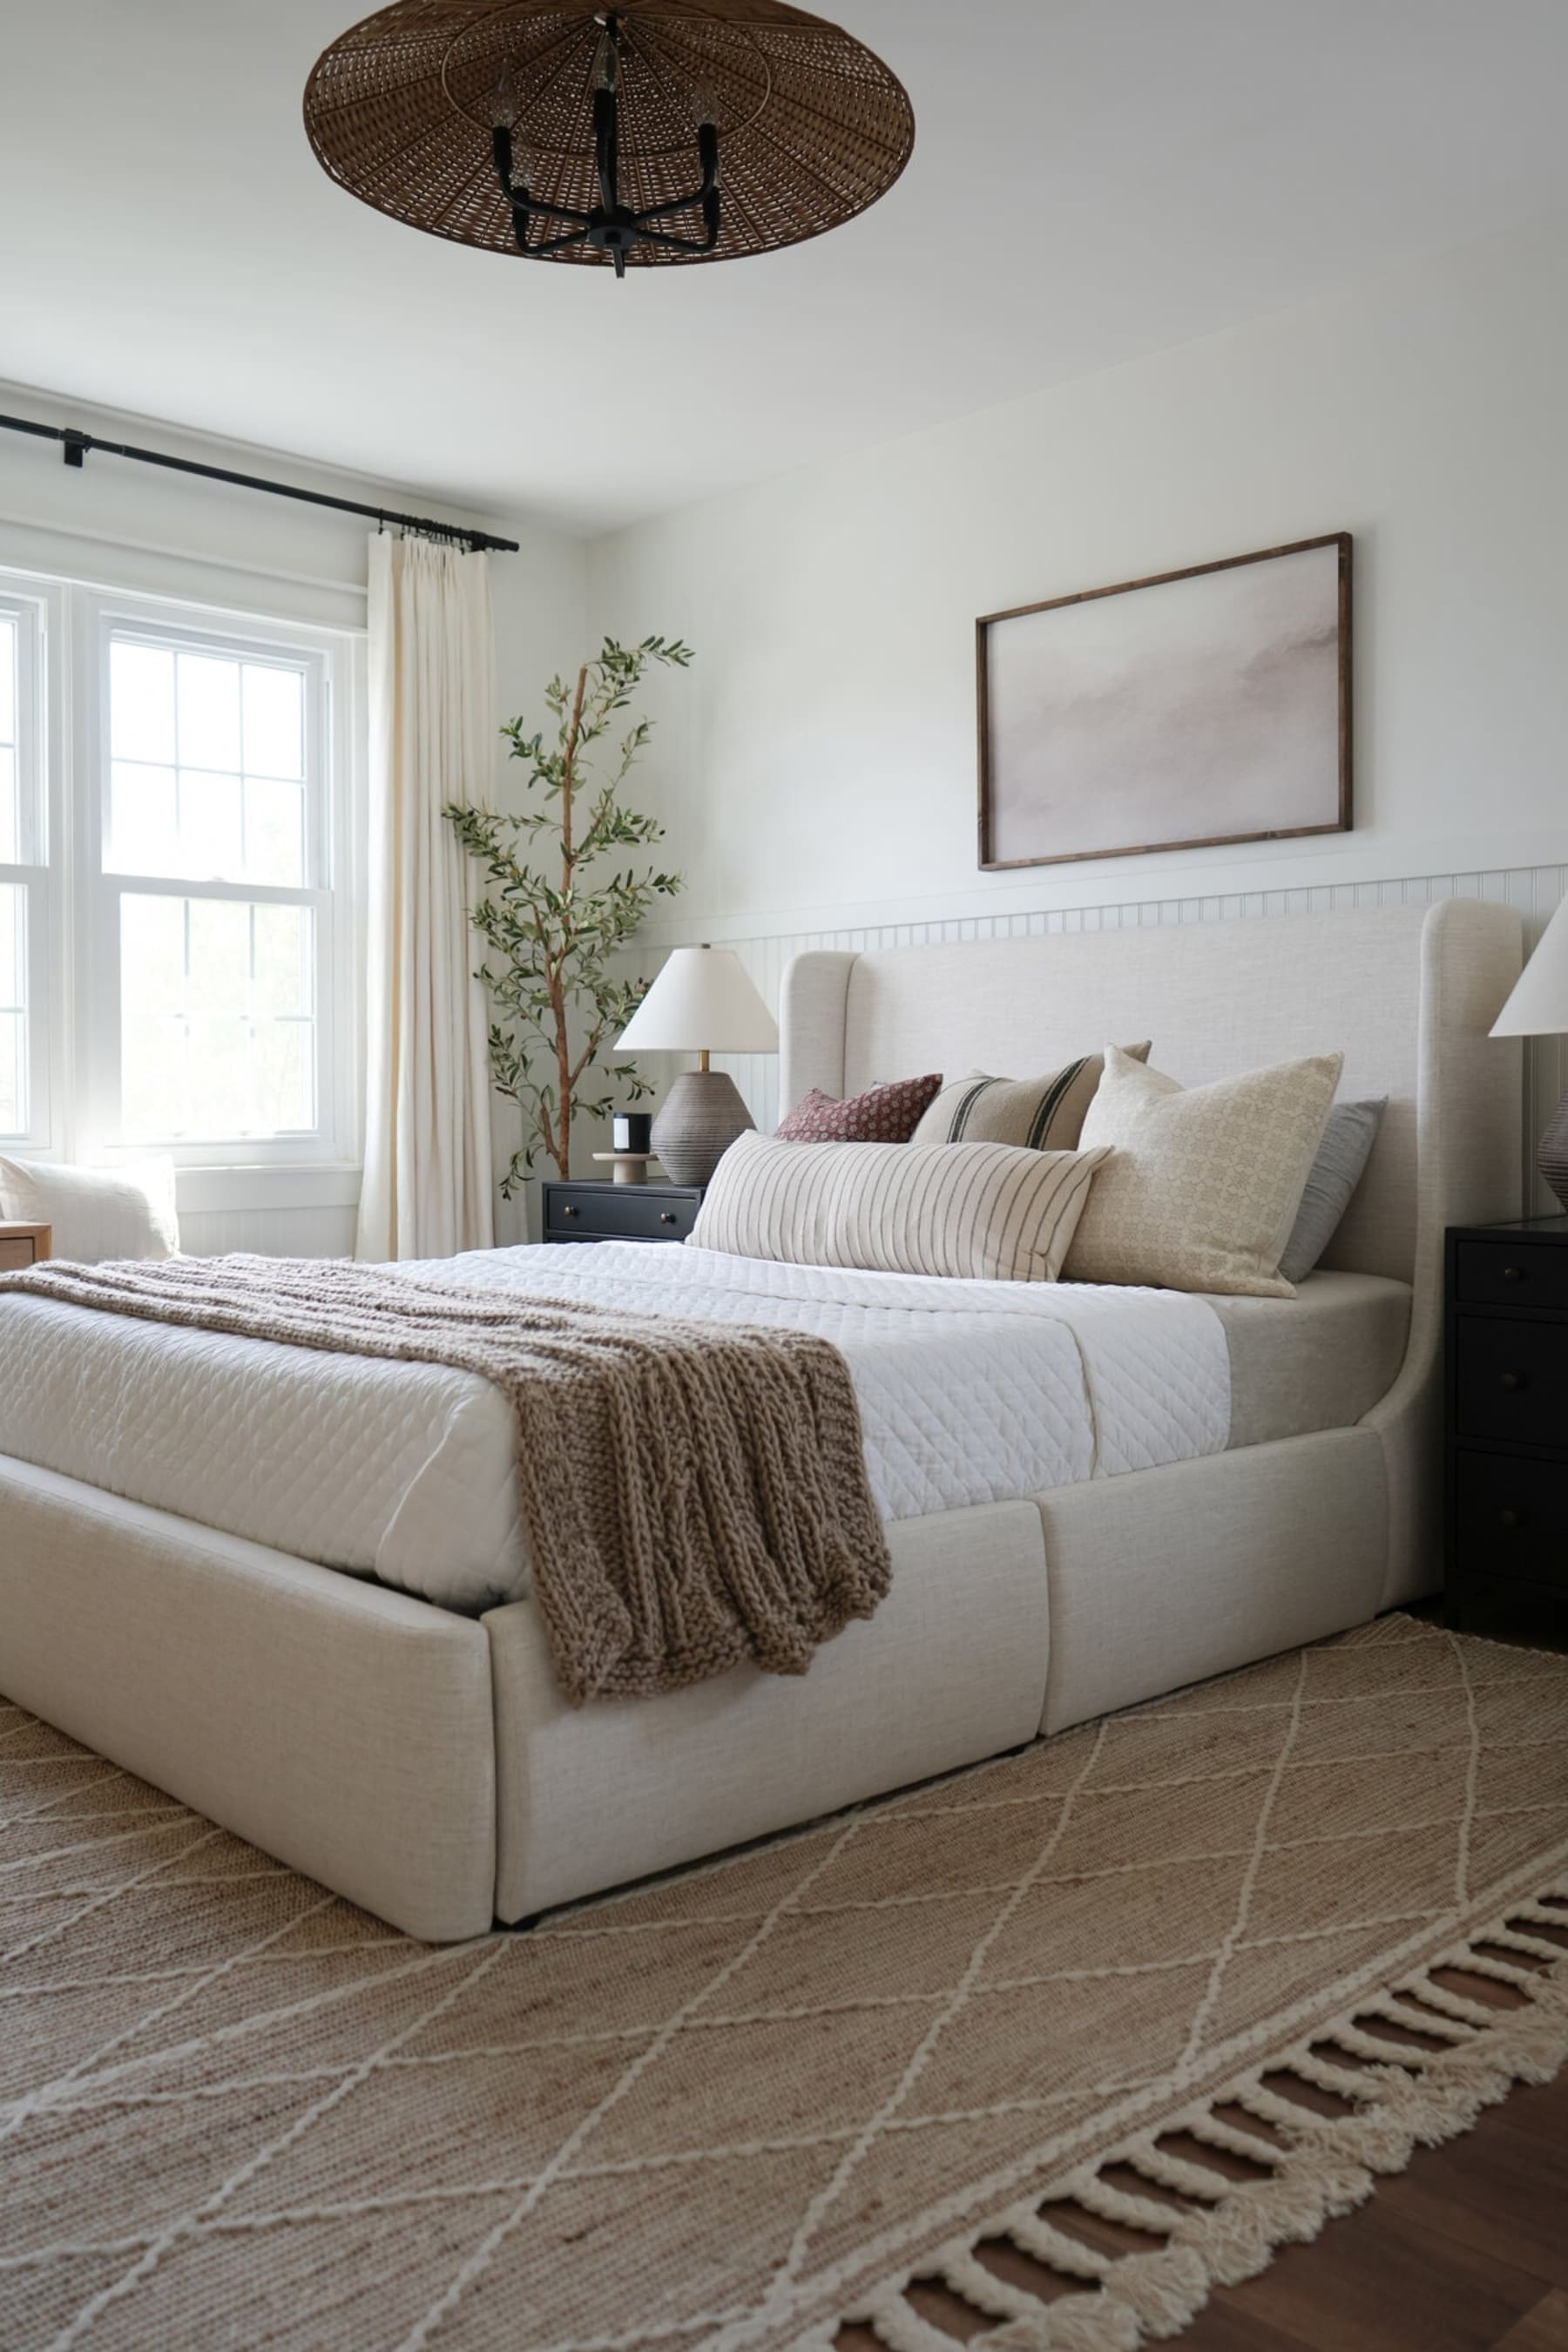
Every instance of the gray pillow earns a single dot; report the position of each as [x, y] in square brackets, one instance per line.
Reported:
[1343, 1154]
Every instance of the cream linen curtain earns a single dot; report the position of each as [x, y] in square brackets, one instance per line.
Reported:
[428, 1190]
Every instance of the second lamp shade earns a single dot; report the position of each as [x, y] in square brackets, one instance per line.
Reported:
[703, 1001]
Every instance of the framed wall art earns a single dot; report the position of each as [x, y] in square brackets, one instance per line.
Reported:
[1183, 711]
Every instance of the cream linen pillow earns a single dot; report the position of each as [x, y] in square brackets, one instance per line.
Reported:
[1203, 1187]
[983, 1210]
[96, 1212]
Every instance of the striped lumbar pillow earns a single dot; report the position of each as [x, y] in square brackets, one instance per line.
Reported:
[991, 1210]
[1038, 1114]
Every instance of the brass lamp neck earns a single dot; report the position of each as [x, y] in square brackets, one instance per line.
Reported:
[702, 1058]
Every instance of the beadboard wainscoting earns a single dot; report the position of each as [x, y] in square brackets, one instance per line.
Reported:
[1535, 890]
[269, 1212]
[270, 1233]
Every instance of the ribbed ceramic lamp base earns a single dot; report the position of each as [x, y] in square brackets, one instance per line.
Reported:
[1552, 1152]
[700, 1118]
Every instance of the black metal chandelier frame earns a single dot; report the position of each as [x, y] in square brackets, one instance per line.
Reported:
[612, 226]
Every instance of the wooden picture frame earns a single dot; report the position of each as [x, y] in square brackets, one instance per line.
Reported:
[1225, 656]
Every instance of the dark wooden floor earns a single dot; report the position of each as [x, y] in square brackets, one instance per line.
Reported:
[1466, 2250]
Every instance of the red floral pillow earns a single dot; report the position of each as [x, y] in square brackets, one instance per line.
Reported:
[883, 1115]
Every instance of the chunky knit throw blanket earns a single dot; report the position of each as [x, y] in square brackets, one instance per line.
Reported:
[693, 1493]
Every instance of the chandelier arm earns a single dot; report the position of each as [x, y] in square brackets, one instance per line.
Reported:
[705, 198]
[517, 195]
[555, 244]
[708, 156]
[521, 201]
[677, 244]
[606, 148]
[675, 205]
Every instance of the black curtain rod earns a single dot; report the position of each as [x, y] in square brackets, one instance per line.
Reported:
[76, 445]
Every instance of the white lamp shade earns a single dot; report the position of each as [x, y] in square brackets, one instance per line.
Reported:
[704, 1000]
[1539, 1005]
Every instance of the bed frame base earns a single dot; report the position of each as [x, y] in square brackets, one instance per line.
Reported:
[425, 1766]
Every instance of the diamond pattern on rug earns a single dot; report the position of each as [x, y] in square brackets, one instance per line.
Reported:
[732, 2107]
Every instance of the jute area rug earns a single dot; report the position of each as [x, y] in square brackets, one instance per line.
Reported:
[749, 2104]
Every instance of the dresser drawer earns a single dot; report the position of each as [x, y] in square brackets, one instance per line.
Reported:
[1511, 1274]
[14, 1254]
[1511, 1518]
[1511, 1381]
[628, 1212]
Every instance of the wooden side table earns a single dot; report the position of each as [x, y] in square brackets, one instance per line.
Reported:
[1506, 1318]
[620, 1212]
[23, 1245]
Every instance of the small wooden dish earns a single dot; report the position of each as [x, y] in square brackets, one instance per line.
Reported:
[630, 1167]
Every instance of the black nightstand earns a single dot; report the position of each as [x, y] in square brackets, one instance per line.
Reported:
[1506, 1321]
[620, 1212]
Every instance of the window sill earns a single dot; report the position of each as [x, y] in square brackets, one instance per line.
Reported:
[309, 1185]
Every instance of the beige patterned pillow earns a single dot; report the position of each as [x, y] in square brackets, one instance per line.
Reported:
[1203, 1187]
[1039, 1114]
[982, 1210]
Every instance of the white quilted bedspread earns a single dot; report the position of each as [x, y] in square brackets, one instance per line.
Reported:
[969, 1392]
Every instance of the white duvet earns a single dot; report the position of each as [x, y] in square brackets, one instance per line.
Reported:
[969, 1392]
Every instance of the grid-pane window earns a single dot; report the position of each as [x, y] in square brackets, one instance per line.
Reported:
[214, 856]
[179, 841]
[217, 1002]
[13, 905]
[15, 1118]
[207, 765]
[10, 795]
[25, 904]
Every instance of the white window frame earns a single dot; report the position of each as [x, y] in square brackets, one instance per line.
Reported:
[36, 607]
[334, 854]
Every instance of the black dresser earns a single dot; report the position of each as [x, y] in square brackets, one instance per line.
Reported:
[1507, 1384]
[620, 1212]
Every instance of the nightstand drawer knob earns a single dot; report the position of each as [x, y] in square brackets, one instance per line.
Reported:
[1513, 1520]
[567, 1209]
[668, 1217]
[1514, 1273]
[1512, 1381]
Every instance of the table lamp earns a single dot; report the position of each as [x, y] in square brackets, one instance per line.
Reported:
[1539, 1008]
[703, 1001]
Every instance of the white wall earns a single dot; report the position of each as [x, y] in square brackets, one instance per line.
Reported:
[130, 527]
[816, 767]
[818, 764]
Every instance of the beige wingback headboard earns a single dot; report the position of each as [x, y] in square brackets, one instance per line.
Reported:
[1406, 993]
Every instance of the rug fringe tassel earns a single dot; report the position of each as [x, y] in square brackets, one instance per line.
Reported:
[1044, 2243]
[1314, 2166]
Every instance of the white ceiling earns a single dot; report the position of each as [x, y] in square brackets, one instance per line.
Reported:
[1092, 178]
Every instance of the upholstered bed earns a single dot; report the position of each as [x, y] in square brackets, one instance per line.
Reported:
[413, 1752]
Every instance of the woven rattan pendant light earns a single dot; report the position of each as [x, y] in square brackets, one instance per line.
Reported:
[655, 131]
